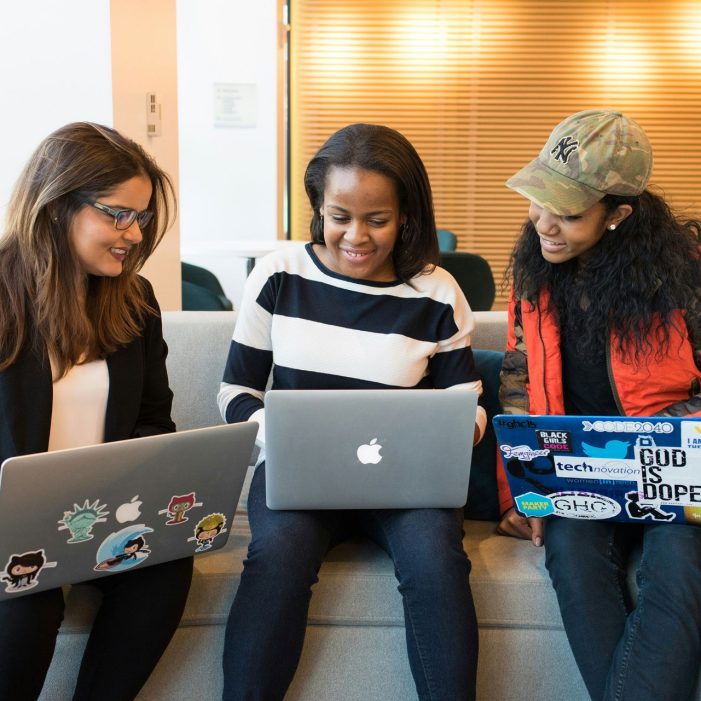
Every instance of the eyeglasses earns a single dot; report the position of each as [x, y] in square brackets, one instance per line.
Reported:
[123, 218]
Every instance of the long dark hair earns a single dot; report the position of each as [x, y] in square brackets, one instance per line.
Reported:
[381, 150]
[39, 281]
[644, 270]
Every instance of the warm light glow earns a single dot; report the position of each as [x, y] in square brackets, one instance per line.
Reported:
[623, 63]
[690, 35]
[422, 41]
[337, 52]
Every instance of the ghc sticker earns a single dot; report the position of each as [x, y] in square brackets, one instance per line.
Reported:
[584, 505]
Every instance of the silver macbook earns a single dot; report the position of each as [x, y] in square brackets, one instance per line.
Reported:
[367, 449]
[72, 515]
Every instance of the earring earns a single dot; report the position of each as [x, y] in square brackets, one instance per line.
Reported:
[321, 219]
[612, 227]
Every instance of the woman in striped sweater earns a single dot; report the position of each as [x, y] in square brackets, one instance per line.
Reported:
[361, 306]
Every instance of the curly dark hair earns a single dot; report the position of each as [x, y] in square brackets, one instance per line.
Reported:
[644, 270]
[382, 150]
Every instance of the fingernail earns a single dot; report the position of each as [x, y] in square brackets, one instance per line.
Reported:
[538, 542]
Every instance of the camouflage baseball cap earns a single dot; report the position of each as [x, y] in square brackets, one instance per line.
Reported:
[588, 155]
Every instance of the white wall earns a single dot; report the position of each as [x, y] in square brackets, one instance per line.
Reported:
[228, 175]
[55, 68]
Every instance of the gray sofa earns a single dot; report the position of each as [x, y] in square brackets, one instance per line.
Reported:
[355, 648]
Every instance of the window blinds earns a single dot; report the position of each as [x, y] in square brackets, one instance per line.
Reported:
[478, 85]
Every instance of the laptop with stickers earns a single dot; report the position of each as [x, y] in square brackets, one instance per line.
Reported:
[73, 515]
[367, 449]
[620, 468]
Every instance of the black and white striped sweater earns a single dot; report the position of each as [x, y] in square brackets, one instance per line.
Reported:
[316, 329]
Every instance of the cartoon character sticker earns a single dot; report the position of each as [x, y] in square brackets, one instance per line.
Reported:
[207, 530]
[177, 507]
[22, 571]
[81, 519]
[124, 549]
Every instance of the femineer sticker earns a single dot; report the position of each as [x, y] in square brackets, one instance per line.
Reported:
[522, 452]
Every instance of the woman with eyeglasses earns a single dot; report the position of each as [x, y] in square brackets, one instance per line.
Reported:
[82, 361]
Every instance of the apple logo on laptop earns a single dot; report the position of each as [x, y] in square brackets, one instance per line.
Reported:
[370, 452]
[129, 511]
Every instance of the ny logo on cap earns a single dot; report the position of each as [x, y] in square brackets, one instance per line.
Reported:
[564, 148]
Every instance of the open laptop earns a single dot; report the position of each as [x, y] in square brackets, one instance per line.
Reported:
[366, 449]
[72, 515]
[619, 468]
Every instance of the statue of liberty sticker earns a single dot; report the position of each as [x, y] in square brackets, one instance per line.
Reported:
[80, 520]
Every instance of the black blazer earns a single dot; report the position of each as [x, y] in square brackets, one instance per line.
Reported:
[138, 403]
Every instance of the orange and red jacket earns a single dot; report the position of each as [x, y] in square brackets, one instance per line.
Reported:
[665, 382]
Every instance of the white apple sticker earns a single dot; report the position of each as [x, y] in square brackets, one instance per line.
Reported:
[129, 511]
[369, 453]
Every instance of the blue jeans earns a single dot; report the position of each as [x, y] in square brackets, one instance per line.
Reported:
[268, 617]
[649, 651]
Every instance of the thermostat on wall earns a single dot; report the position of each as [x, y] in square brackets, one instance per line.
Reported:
[153, 114]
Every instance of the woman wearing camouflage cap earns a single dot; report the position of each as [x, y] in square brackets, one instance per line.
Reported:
[605, 319]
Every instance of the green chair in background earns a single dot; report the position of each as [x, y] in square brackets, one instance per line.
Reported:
[473, 274]
[202, 290]
[447, 240]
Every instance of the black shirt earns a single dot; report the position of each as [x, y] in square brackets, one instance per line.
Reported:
[585, 380]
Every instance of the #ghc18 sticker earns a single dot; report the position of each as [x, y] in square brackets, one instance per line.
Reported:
[584, 505]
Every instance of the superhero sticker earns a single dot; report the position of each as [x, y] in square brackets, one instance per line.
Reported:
[124, 549]
[207, 530]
